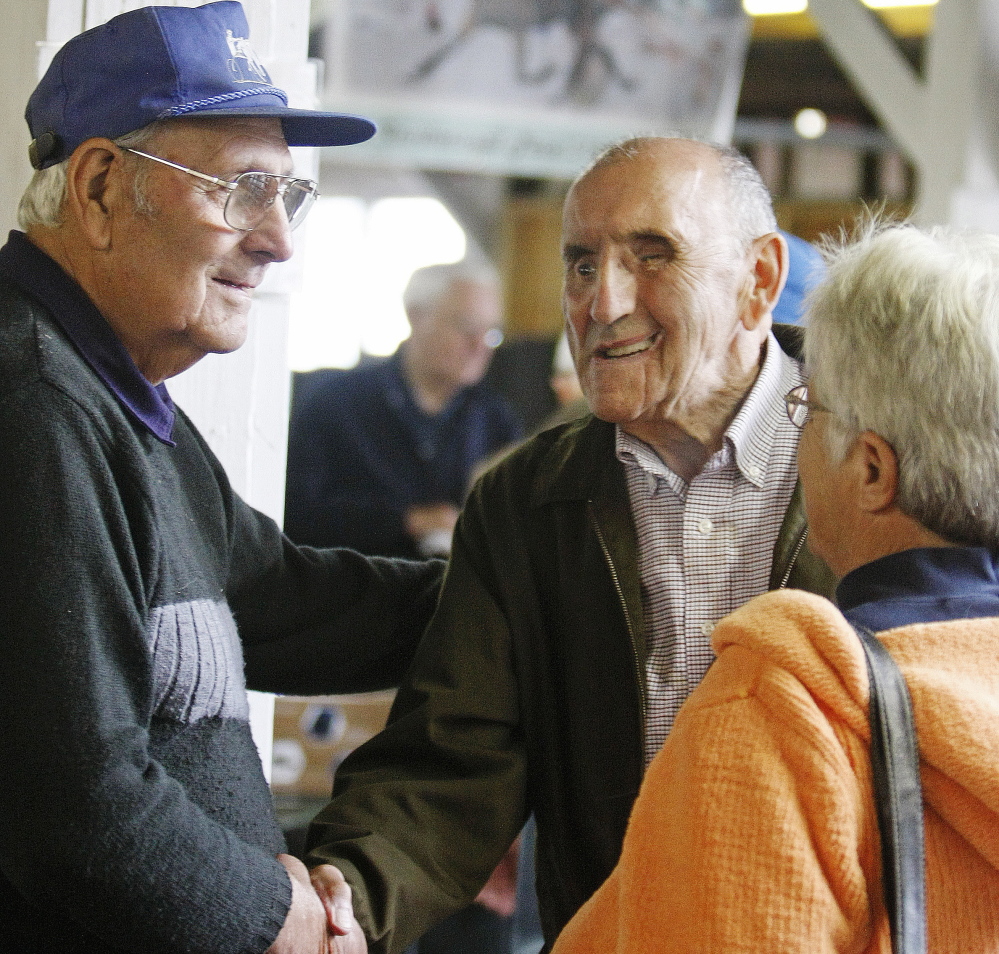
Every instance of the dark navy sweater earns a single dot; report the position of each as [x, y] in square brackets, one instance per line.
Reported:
[140, 596]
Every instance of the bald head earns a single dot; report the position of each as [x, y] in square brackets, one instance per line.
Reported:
[749, 198]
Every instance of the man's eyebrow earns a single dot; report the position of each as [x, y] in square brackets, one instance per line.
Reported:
[648, 235]
[573, 253]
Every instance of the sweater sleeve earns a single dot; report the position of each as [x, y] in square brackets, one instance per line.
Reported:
[314, 621]
[324, 621]
[99, 840]
[754, 830]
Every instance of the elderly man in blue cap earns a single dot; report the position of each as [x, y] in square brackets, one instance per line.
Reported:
[140, 595]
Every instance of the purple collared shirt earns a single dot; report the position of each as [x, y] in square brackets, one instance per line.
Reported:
[37, 275]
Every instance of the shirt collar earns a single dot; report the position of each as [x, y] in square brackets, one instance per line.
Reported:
[401, 396]
[36, 274]
[762, 414]
[750, 436]
[634, 452]
[921, 585]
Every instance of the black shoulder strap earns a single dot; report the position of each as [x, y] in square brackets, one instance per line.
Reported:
[898, 795]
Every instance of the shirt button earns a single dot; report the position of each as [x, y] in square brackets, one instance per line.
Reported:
[753, 471]
[705, 527]
[707, 628]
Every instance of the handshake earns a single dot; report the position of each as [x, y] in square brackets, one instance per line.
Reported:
[321, 917]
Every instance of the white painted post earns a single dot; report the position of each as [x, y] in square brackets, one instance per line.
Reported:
[24, 27]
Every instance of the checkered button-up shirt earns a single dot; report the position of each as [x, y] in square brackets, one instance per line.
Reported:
[706, 547]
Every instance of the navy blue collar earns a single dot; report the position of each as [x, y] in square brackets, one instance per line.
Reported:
[37, 275]
[920, 586]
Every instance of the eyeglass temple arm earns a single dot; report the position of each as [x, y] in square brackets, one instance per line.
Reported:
[173, 165]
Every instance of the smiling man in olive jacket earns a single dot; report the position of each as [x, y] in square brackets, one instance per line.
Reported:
[590, 565]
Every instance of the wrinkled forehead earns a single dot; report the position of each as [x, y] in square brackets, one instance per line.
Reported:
[660, 190]
[250, 142]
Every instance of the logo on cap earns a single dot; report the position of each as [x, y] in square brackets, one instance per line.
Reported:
[244, 63]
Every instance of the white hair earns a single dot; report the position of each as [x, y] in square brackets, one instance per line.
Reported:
[903, 340]
[427, 286]
[42, 201]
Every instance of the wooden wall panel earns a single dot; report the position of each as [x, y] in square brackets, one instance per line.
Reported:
[531, 265]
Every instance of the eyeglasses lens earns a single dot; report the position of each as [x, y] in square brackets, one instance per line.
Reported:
[298, 199]
[797, 406]
[255, 193]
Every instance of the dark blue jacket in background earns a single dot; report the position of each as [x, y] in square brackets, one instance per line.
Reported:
[361, 452]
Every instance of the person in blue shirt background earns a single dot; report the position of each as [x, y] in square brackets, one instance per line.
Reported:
[380, 457]
[805, 270]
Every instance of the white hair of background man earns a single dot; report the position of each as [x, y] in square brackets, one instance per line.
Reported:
[427, 286]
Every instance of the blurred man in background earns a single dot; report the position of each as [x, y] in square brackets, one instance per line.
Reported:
[380, 457]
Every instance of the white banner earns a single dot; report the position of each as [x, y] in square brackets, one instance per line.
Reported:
[531, 87]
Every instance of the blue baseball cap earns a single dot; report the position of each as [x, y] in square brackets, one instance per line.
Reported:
[162, 63]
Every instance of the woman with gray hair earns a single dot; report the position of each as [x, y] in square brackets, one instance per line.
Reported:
[904, 341]
[755, 828]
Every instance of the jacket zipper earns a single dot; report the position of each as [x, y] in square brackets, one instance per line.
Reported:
[794, 556]
[639, 677]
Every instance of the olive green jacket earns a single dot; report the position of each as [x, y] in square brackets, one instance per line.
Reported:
[527, 694]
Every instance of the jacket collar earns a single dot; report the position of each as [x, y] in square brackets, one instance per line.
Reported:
[578, 463]
[581, 461]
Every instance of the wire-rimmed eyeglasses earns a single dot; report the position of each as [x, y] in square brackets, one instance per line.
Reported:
[251, 194]
[799, 408]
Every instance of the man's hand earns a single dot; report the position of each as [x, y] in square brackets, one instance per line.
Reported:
[334, 893]
[308, 928]
[431, 526]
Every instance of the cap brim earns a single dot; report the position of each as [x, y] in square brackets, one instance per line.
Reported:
[306, 127]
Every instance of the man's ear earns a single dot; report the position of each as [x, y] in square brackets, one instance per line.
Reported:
[877, 472]
[93, 185]
[768, 258]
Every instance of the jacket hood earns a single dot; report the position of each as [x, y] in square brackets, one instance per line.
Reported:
[952, 669]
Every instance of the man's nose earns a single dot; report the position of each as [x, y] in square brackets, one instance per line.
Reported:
[614, 293]
[272, 237]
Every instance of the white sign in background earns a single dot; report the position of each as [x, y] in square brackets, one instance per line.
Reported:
[530, 87]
